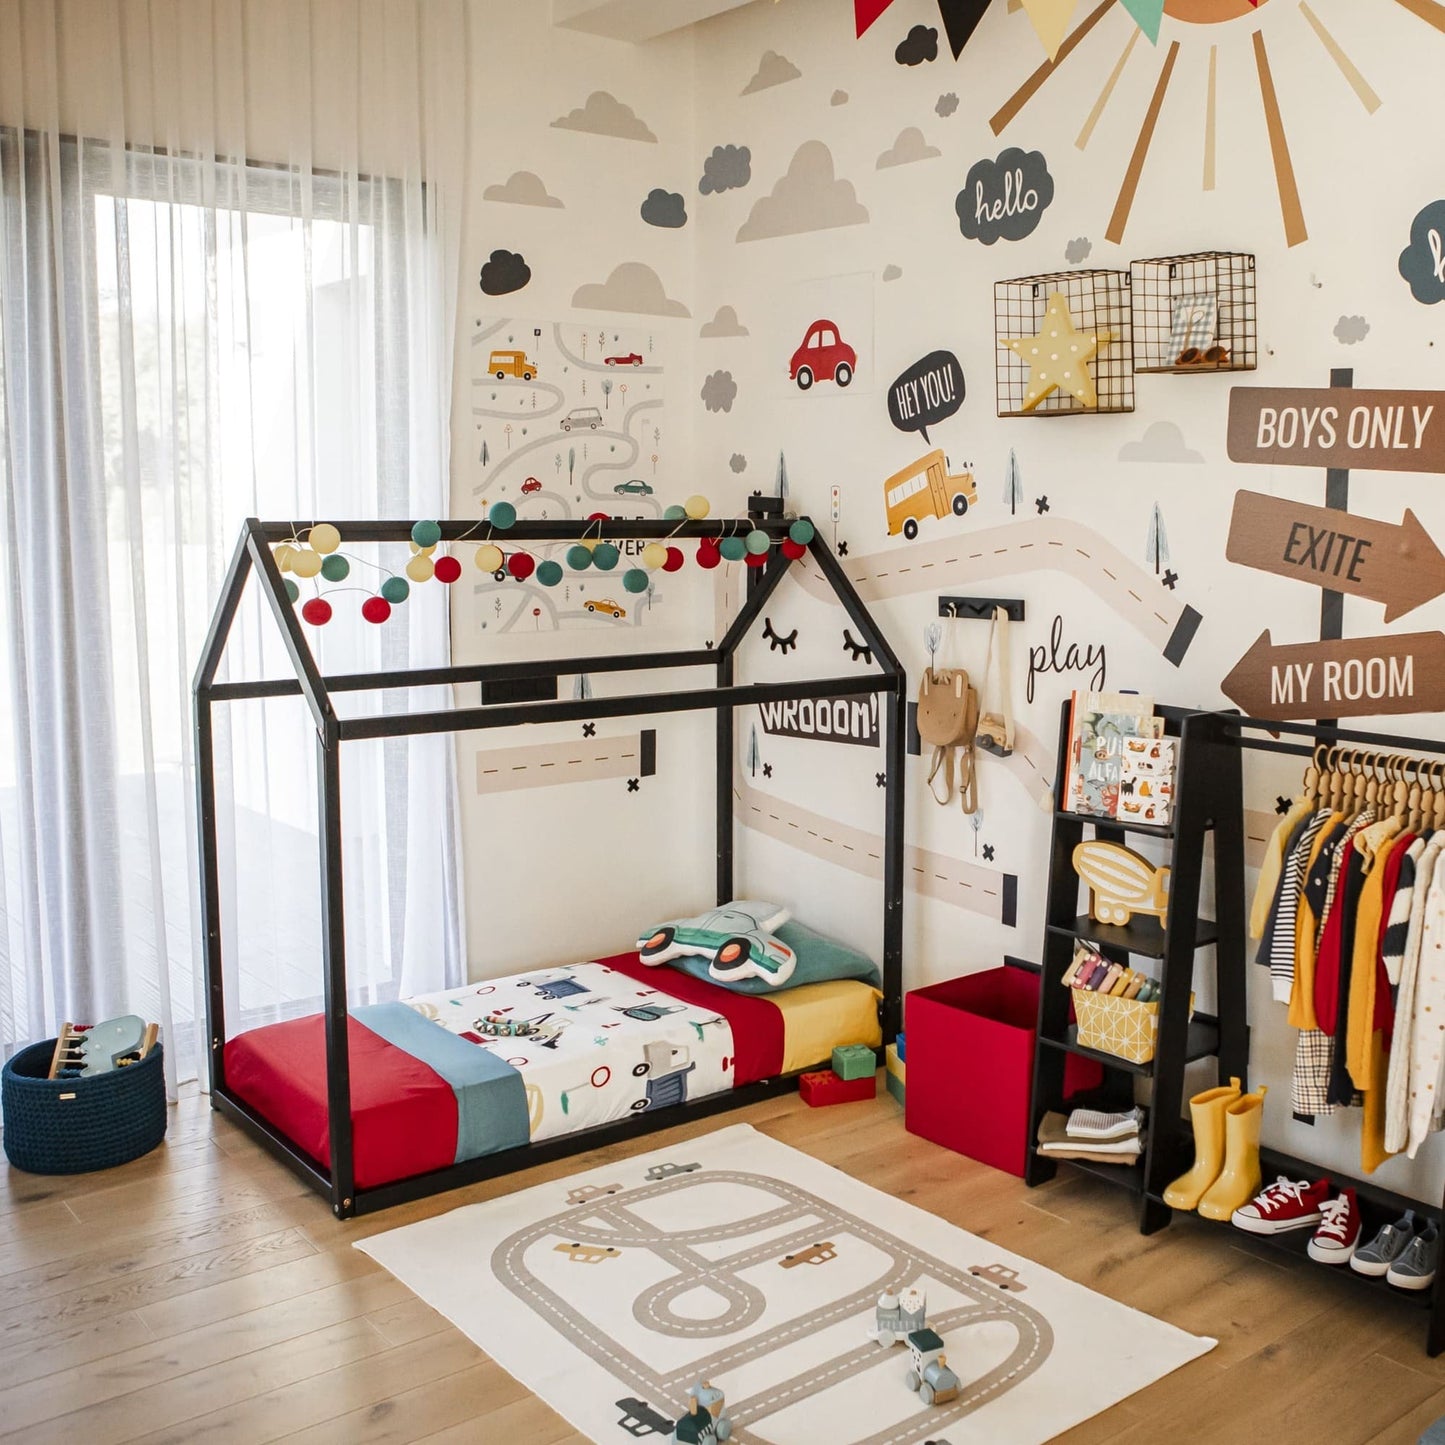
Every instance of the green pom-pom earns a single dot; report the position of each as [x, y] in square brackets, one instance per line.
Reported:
[734, 549]
[605, 556]
[635, 579]
[757, 541]
[502, 514]
[674, 513]
[426, 534]
[801, 531]
[335, 568]
[579, 558]
[549, 574]
[293, 592]
[396, 589]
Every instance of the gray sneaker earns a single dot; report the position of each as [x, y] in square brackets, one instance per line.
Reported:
[1415, 1268]
[1386, 1247]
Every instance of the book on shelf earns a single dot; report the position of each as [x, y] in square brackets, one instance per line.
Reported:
[1108, 730]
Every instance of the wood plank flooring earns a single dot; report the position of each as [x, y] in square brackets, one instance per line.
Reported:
[202, 1294]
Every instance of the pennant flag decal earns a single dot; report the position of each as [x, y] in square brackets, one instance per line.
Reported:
[960, 19]
[1050, 21]
[1148, 14]
[865, 12]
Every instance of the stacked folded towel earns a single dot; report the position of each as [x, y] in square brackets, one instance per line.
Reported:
[1088, 1134]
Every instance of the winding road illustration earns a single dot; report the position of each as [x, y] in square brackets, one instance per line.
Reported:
[612, 1222]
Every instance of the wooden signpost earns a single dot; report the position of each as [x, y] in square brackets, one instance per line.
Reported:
[1339, 428]
[1394, 563]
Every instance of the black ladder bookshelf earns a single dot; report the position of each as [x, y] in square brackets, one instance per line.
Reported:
[1208, 801]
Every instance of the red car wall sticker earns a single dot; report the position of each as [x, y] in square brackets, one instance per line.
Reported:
[823, 356]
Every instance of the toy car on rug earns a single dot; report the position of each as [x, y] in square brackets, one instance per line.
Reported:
[737, 941]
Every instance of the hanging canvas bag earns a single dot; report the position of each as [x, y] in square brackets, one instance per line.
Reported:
[996, 729]
[947, 722]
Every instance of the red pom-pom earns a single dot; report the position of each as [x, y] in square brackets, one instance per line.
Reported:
[674, 561]
[707, 554]
[446, 569]
[791, 550]
[317, 612]
[521, 565]
[376, 609]
[757, 559]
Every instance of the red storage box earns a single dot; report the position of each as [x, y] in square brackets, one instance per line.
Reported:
[971, 1064]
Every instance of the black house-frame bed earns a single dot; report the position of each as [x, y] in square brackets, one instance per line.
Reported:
[253, 554]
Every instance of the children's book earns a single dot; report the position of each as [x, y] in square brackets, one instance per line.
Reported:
[1101, 723]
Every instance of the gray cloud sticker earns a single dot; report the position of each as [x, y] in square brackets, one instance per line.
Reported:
[947, 104]
[738, 462]
[728, 168]
[1004, 198]
[773, 69]
[808, 198]
[920, 44]
[1162, 442]
[892, 272]
[505, 272]
[909, 147]
[725, 323]
[1079, 249]
[839, 97]
[604, 114]
[1422, 262]
[719, 391]
[632, 286]
[664, 208]
[522, 188]
[1351, 330]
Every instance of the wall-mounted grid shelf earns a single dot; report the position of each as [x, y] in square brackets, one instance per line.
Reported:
[1217, 288]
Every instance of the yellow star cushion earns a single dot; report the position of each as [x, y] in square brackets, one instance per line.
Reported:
[1058, 357]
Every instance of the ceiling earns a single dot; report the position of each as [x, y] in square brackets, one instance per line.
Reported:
[637, 20]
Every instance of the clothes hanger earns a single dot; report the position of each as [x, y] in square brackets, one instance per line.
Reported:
[1413, 794]
[1400, 793]
[1311, 783]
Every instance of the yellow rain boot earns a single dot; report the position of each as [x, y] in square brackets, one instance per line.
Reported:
[1240, 1178]
[1207, 1112]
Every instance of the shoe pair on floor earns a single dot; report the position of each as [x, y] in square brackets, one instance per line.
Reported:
[1406, 1252]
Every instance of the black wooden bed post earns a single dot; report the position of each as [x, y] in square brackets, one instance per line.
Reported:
[254, 551]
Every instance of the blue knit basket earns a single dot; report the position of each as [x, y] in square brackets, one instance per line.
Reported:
[72, 1126]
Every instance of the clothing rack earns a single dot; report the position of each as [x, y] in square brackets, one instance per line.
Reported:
[1301, 739]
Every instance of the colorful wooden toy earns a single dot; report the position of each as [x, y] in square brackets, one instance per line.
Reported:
[854, 1061]
[928, 1373]
[705, 1420]
[898, 1315]
[825, 1087]
[1121, 882]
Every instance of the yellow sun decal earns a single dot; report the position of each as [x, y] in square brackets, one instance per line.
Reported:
[1211, 12]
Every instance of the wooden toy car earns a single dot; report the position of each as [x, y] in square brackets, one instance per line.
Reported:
[1121, 882]
[705, 1420]
[928, 1374]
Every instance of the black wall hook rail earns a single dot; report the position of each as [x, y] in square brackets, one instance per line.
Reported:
[980, 607]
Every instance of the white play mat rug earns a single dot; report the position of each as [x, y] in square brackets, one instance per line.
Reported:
[738, 1260]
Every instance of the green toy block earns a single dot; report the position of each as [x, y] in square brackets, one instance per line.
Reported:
[854, 1061]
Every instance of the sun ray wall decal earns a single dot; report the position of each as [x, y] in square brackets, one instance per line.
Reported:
[1211, 118]
[1108, 90]
[1031, 86]
[1295, 231]
[1125, 203]
[1429, 11]
[1347, 67]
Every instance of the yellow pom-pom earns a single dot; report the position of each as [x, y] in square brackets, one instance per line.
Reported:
[283, 555]
[488, 557]
[305, 562]
[697, 508]
[422, 551]
[420, 568]
[324, 538]
[654, 555]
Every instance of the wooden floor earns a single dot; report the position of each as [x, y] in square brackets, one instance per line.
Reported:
[200, 1294]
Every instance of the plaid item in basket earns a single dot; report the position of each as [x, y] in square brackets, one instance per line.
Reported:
[1194, 324]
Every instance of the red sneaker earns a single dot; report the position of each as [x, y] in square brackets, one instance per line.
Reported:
[1335, 1240]
[1286, 1204]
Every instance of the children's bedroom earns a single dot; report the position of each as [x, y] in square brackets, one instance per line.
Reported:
[723, 720]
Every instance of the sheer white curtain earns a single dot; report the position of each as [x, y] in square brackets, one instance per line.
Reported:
[228, 267]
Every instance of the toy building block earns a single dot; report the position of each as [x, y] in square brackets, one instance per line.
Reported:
[825, 1087]
[854, 1061]
[898, 1044]
[896, 1074]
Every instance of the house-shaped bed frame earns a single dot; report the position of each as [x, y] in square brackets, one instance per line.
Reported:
[253, 553]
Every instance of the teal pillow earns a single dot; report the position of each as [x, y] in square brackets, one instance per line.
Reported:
[819, 959]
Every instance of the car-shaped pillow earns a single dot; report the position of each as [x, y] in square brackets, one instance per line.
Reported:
[737, 941]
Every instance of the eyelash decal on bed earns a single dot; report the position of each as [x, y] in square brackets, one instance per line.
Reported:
[859, 650]
[775, 641]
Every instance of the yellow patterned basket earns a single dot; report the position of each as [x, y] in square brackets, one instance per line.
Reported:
[1123, 1027]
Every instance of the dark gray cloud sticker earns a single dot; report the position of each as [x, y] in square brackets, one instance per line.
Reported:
[719, 391]
[920, 44]
[928, 392]
[728, 168]
[1003, 199]
[505, 272]
[664, 208]
[1422, 262]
